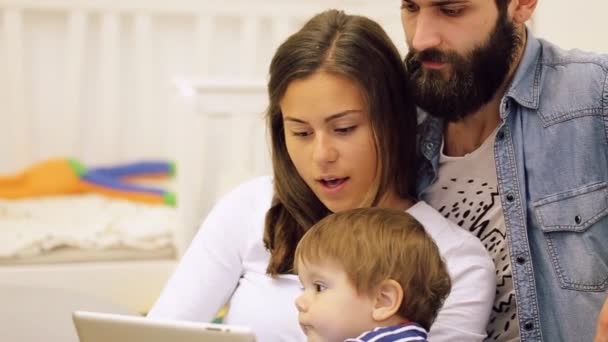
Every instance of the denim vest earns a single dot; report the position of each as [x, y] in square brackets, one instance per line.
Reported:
[551, 154]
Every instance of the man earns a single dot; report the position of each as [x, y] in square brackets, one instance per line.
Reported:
[514, 148]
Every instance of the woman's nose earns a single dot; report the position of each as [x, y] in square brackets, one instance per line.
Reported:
[324, 151]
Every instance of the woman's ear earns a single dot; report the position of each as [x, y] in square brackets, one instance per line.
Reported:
[389, 296]
[522, 10]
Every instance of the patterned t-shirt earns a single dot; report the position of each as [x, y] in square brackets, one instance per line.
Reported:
[466, 193]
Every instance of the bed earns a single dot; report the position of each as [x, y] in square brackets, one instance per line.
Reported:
[116, 81]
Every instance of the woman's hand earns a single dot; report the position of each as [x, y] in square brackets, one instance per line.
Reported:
[601, 334]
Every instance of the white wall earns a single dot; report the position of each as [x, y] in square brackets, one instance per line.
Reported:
[573, 24]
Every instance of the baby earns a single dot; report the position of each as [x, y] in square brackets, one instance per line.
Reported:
[369, 274]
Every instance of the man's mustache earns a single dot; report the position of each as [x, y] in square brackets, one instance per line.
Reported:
[414, 58]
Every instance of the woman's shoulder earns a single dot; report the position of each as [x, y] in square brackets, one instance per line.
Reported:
[255, 186]
[451, 239]
[465, 312]
[255, 193]
[244, 206]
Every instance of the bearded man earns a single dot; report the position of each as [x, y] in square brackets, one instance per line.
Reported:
[514, 148]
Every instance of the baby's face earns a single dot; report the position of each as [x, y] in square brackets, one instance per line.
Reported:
[330, 309]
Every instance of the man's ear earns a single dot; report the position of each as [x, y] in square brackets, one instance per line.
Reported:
[389, 296]
[521, 10]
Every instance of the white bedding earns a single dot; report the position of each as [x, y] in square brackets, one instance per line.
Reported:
[33, 227]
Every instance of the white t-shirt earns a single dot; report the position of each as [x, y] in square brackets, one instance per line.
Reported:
[466, 193]
[227, 261]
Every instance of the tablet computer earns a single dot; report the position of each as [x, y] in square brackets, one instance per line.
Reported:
[104, 327]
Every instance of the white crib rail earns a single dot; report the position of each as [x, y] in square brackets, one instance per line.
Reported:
[14, 88]
[222, 143]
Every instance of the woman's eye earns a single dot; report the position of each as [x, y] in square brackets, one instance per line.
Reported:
[301, 134]
[345, 129]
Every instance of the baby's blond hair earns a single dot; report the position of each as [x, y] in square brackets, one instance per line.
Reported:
[374, 244]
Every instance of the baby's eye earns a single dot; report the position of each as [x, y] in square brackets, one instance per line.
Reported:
[320, 287]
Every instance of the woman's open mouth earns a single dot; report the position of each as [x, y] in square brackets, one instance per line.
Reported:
[333, 183]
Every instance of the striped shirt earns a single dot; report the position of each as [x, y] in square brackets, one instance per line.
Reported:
[395, 333]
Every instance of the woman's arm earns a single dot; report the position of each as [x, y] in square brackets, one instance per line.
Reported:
[466, 311]
[209, 271]
[601, 333]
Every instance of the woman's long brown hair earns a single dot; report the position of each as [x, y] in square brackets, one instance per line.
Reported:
[357, 48]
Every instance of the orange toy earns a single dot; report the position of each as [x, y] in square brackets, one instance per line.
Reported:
[68, 176]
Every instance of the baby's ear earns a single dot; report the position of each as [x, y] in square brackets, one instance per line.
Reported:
[389, 296]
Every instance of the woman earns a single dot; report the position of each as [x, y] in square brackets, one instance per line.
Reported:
[343, 136]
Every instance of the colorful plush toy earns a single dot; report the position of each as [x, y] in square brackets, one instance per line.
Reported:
[69, 176]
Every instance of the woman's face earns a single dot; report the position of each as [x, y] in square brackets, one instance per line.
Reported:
[329, 139]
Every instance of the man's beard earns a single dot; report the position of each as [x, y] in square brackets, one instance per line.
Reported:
[473, 79]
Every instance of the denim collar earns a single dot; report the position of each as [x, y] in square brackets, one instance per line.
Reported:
[524, 88]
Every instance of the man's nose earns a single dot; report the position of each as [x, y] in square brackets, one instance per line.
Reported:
[426, 32]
